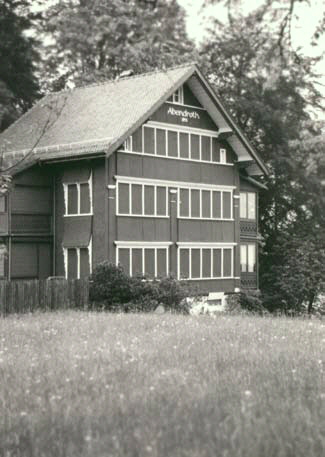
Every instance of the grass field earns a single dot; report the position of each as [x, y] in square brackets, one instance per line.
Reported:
[82, 384]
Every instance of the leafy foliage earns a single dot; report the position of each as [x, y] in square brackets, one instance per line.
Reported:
[88, 41]
[270, 95]
[112, 289]
[18, 56]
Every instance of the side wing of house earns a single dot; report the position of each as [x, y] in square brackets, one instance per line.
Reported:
[26, 226]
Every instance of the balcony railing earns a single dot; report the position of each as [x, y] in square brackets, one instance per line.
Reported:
[248, 280]
[248, 228]
[31, 223]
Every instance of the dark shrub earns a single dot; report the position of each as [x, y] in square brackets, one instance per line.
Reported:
[112, 289]
[109, 286]
[251, 300]
[247, 301]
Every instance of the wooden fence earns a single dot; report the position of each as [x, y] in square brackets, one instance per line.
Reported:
[20, 296]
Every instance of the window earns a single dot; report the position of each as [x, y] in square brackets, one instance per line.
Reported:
[77, 262]
[205, 261]
[147, 259]
[3, 253]
[176, 144]
[149, 198]
[128, 144]
[223, 156]
[248, 205]
[205, 204]
[2, 204]
[177, 97]
[136, 199]
[248, 258]
[78, 198]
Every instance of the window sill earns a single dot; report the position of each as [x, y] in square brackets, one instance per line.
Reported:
[206, 279]
[143, 215]
[78, 215]
[204, 219]
[210, 162]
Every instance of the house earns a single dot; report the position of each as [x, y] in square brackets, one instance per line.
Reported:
[149, 171]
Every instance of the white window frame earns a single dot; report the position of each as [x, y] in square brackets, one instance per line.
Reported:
[142, 183]
[143, 245]
[65, 258]
[128, 144]
[223, 155]
[190, 246]
[178, 96]
[175, 185]
[3, 202]
[247, 254]
[247, 193]
[188, 130]
[66, 196]
[215, 189]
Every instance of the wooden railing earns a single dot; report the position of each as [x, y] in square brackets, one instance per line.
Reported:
[248, 228]
[19, 296]
[248, 280]
[31, 223]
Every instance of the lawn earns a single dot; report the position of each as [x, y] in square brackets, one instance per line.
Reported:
[87, 384]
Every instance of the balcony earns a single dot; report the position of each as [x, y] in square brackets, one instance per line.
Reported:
[31, 224]
[248, 280]
[248, 228]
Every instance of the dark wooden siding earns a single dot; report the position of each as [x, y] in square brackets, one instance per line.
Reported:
[142, 229]
[75, 227]
[31, 199]
[30, 260]
[171, 113]
[100, 195]
[4, 223]
[204, 231]
[214, 285]
[31, 224]
[174, 170]
[189, 97]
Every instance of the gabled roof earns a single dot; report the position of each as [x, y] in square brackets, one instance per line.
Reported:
[98, 118]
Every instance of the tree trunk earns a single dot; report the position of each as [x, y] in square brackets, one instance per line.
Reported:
[310, 303]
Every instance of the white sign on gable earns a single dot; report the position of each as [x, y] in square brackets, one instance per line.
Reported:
[184, 114]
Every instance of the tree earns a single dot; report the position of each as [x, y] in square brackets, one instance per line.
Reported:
[270, 92]
[18, 56]
[89, 41]
[280, 13]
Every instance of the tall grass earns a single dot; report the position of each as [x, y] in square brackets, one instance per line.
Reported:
[82, 384]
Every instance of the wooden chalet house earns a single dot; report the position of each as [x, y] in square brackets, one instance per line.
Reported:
[149, 171]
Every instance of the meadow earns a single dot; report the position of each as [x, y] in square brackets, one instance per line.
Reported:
[98, 384]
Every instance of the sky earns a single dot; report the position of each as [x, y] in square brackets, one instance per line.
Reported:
[303, 26]
[307, 17]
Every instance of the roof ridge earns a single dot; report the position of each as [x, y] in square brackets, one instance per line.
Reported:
[117, 80]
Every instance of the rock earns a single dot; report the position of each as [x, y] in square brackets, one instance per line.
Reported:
[160, 309]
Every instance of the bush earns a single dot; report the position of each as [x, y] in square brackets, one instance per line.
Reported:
[109, 286]
[247, 301]
[112, 289]
[251, 301]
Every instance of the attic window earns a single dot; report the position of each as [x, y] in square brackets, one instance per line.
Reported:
[223, 156]
[128, 144]
[177, 97]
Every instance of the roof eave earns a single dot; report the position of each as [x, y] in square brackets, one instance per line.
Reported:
[115, 145]
[236, 129]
